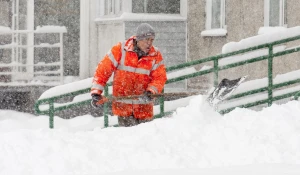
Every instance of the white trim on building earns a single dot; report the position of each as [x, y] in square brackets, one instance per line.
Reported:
[183, 8]
[84, 38]
[30, 36]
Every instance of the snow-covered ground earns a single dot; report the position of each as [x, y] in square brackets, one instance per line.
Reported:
[195, 140]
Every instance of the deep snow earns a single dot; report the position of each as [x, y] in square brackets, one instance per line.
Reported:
[195, 140]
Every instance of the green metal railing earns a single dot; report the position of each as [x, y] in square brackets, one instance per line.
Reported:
[215, 70]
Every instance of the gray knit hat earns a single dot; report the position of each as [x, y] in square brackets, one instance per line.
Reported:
[143, 31]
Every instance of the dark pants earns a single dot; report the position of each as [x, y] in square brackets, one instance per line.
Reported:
[131, 121]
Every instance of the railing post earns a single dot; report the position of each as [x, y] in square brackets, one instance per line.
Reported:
[162, 105]
[216, 72]
[105, 106]
[51, 114]
[270, 76]
[296, 97]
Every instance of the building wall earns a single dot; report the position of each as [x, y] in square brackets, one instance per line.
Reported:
[293, 12]
[243, 20]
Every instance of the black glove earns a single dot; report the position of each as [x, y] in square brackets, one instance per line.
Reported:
[146, 97]
[96, 98]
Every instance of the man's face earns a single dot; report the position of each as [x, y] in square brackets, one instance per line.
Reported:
[145, 44]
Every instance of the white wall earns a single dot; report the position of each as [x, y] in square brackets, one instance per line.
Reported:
[108, 35]
[88, 38]
[84, 37]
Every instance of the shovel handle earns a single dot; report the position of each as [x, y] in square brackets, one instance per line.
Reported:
[170, 94]
[103, 100]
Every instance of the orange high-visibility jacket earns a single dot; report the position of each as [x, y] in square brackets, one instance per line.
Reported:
[131, 77]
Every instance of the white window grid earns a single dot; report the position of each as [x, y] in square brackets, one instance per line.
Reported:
[109, 7]
[120, 6]
[209, 15]
[282, 13]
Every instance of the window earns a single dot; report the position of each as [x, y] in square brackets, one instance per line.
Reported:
[117, 7]
[275, 13]
[156, 6]
[215, 14]
[109, 7]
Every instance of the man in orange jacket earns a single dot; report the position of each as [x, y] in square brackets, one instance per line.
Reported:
[138, 70]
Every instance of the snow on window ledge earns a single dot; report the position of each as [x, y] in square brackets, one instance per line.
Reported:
[266, 30]
[141, 17]
[214, 32]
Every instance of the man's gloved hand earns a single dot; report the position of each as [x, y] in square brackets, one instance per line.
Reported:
[95, 99]
[146, 97]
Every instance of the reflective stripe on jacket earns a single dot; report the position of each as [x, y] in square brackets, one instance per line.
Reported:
[132, 76]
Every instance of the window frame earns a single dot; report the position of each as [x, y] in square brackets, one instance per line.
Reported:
[126, 6]
[109, 8]
[146, 11]
[209, 15]
[282, 14]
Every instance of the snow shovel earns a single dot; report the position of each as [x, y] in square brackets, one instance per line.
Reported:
[224, 90]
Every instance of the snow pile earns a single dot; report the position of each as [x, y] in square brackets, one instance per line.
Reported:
[195, 137]
[268, 30]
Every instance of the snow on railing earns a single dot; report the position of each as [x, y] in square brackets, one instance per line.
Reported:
[87, 83]
[280, 34]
